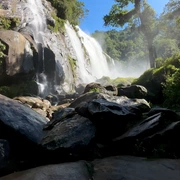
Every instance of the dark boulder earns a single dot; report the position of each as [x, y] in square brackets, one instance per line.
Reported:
[133, 91]
[154, 136]
[69, 136]
[111, 119]
[21, 120]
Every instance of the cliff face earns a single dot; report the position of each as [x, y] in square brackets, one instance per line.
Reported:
[58, 61]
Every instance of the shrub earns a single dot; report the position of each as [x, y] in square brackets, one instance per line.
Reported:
[172, 90]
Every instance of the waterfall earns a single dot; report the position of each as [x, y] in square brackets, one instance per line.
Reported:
[37, 25]
[91, 60]
[98, 61]
[76, 57]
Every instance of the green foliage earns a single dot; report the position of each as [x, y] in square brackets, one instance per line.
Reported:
[71, 10]
[19, 89]
[95, 89]
[59, 24]
[172, 89]
[73, 65]
[122, 45]
[9, 23]
[2, 48]
[115, 82]
[165, 47]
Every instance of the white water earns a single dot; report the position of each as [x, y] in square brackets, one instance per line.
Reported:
[37, 24]
[84, 74]
[91, 60]
[38, 21]
[98, 62]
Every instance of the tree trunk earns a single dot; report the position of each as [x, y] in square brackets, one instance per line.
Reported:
[151, 56]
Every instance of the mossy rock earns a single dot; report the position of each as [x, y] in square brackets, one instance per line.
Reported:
[28, 88]
[155, 78]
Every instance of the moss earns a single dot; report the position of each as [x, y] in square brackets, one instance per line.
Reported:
[122, 81]
[59, 24]
[105, 80]
[73, 65]
[153, 79]
[9, 23]
[20, 89]
[95, 89]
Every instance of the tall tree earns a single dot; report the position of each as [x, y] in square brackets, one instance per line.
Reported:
[141, 17]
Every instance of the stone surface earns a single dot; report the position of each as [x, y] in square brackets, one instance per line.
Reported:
[133, 91]
[66, 171]
[20, 55]
[111, 168]
[136, 168]
[70, 133]
[21, 119]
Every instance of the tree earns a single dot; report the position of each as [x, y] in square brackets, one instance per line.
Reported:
[71, 10]
[170, 20]
[141, 17]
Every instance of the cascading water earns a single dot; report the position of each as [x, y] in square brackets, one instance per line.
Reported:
[91, 60]
[37, 24]
[98, 61]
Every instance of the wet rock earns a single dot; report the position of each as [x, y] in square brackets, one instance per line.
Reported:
[155, 136]
[145, 128]
[71, 133]
[112, 89]
[87, 97]
[111, 119]
[167, 112]
[60, 116]
[133, 91]
[141, 104]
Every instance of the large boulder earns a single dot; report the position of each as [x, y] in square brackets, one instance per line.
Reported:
[19, 54]
[21, 120]
[111, 119]
[96, 87]
[133, 91]
[154, 136]
[68, 133]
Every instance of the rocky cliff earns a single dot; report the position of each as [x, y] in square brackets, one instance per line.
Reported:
[59, 61]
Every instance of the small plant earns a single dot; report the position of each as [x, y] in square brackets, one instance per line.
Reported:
[95, 89]
[59, 24]
[73, 65]
[2, 49]
[9, 23]
[172, 89]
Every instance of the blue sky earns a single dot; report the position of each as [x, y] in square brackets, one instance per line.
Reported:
[99, 8]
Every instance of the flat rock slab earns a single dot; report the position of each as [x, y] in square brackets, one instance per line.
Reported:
[136, 168]
[112, 168]
[67, 171]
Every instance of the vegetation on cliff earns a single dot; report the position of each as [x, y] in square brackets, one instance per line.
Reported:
[71, 10]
